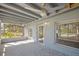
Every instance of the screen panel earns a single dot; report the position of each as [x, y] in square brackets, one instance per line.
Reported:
[68, 34]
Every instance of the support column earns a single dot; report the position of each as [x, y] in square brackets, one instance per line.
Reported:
[50, 35]
[34, 33]
[25, 31]
[0, 31]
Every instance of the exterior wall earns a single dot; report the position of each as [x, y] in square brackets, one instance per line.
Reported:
[50, 31]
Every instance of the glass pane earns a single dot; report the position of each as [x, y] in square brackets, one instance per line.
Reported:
[77, 31]
[69, 32]
[72, 31]
[64, 31]
[30, 32]
[12, 31]
[41, 32]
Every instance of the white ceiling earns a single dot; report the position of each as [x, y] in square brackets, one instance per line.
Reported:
[27, 12]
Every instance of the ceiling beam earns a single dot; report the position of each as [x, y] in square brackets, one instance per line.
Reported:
[53, 5]
[44, 11]
[13, 18]
[23, 9]
[28, 7]
[16, 9]
[35, 6]
[10, 18]
[13, 11]
[16, 14]
[41, 7]
[7, 15]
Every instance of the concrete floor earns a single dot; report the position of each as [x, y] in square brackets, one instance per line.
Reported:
[28, 49]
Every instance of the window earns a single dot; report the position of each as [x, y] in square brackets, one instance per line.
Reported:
[40, 31]
[30, 32]
[72, 32]
[69, 31]
[41, 34]
[68, 34]
[64, 31]
[12, 31]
